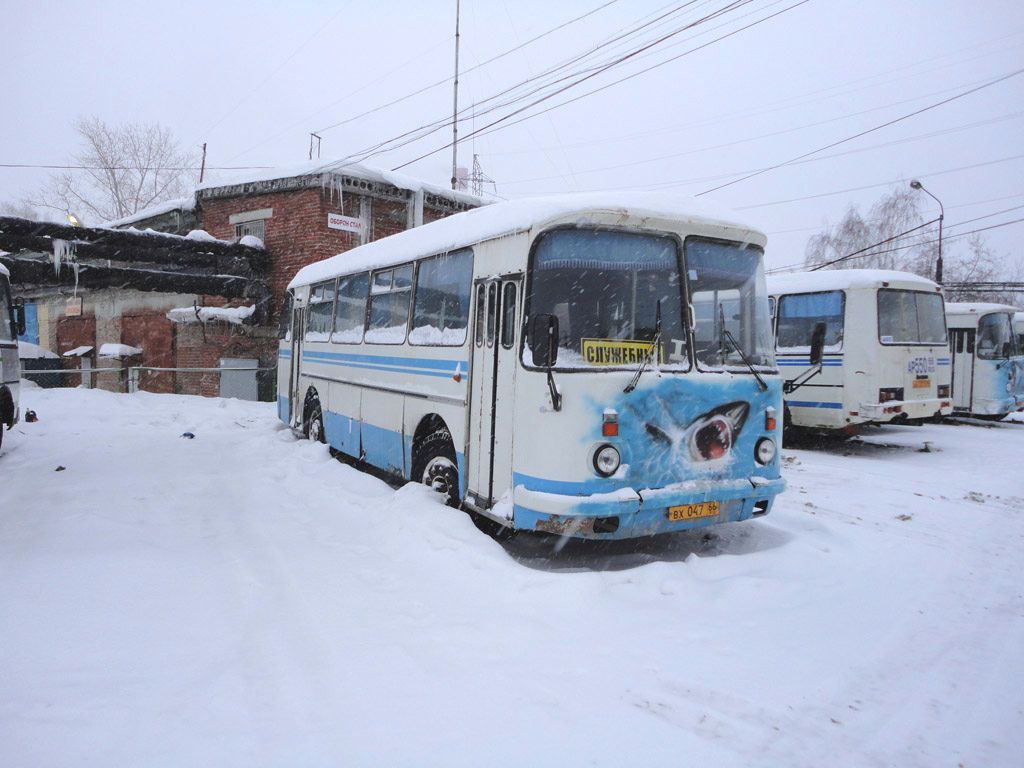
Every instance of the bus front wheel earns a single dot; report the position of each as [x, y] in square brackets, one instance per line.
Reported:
[437, 468]
[313, 424]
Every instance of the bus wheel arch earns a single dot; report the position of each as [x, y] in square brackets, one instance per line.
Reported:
[434, 461]
[313, 417]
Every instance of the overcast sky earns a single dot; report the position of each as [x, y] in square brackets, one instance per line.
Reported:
[253, 79]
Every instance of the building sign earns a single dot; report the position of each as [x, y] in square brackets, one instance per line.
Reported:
[345, 223]
[74, 307]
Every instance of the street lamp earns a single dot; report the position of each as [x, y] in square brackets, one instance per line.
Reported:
[915, 184]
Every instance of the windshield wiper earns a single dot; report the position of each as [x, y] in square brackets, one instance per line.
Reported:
[724, 334]
[655, 346]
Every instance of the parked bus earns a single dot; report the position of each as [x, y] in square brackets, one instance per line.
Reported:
[988, 365]
[538, 363]
[12, 324]
[885, 357]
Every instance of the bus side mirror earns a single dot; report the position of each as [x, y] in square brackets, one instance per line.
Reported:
[818, 344]
[544, 340]
[19, 317]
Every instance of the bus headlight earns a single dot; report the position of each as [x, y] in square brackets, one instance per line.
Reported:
[607, 460]
[764, 452]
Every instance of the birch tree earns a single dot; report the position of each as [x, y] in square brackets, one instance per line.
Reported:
[122, 169]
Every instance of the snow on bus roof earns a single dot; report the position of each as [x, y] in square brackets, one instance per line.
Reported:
[3, 269]
[977, 308]
[838, 279]
[506, 218]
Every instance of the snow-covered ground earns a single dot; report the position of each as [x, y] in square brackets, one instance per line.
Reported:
[242, 599]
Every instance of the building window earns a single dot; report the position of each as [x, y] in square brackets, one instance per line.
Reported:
[255, 228]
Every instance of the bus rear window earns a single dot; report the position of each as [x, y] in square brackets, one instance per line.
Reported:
[910, 317]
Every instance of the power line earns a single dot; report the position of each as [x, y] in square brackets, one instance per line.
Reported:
[481, 64]
[425, 130]
[134, 168]
[881, 184]
[864, 133]
[902, 234]
[489, 128]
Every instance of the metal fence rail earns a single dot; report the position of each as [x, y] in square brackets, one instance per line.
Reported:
[245, 382]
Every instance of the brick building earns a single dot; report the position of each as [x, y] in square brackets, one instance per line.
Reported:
[301, 214]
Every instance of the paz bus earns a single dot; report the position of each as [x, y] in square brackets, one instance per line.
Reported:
[12, 323]
[539, 363]
[883, 348]
[988, 364]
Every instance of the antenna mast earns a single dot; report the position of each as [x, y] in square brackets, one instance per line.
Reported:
[455, 104]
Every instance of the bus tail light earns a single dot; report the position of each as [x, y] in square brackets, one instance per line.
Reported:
[943, 390]
[610, 426]
[887, 394]
[769, 419]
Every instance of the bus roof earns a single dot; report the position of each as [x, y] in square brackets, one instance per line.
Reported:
[977, 308]
[491, 221]
[840, 279]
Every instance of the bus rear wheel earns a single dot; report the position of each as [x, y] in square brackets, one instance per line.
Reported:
[436, 466]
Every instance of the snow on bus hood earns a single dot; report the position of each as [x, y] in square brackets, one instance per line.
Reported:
[498, 219]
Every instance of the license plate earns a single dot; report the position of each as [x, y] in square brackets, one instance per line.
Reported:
[693, 511]
[922, 383]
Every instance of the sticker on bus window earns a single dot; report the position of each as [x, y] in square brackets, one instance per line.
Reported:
[692, 273]
[618, 351]
[887, 339]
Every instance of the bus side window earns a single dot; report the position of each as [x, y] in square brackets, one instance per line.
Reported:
[480, 298]
[970, 341]
[492, 313]
[508, 315]
[284, 329]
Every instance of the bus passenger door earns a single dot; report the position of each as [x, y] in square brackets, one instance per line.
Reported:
[295, 397]
[495, 346]
[961, 349]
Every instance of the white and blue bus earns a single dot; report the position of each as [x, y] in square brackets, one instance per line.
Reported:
[885, 356]
[988, 365]
[542, 364]
[12, 323]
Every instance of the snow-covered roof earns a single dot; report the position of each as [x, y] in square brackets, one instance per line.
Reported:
[233, 315]
[3, 269]
[479, 224]
[841, 279]
[29, 351]
[335, 168]
[119, 351]
[177, 204]
[78, 352]
[977, 308]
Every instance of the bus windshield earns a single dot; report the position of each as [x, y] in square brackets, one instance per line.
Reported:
[910, 317]
[729, 299]
[607, 289]
[995, 337]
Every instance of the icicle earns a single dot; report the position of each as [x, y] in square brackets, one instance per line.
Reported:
[63, 253]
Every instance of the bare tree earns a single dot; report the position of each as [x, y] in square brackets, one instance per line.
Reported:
[896, 236]
[123, 169]
[21, 210]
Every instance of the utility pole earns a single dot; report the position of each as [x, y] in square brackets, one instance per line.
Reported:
[455, 104]
[311, 137]
[202, 165]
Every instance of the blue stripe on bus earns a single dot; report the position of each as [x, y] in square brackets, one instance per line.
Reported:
[568, 487]
[804, 363]
[411, 365]
[811, 404]
[943, 361]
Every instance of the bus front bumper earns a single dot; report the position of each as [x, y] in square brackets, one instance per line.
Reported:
[628, 513]
[909, 409]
